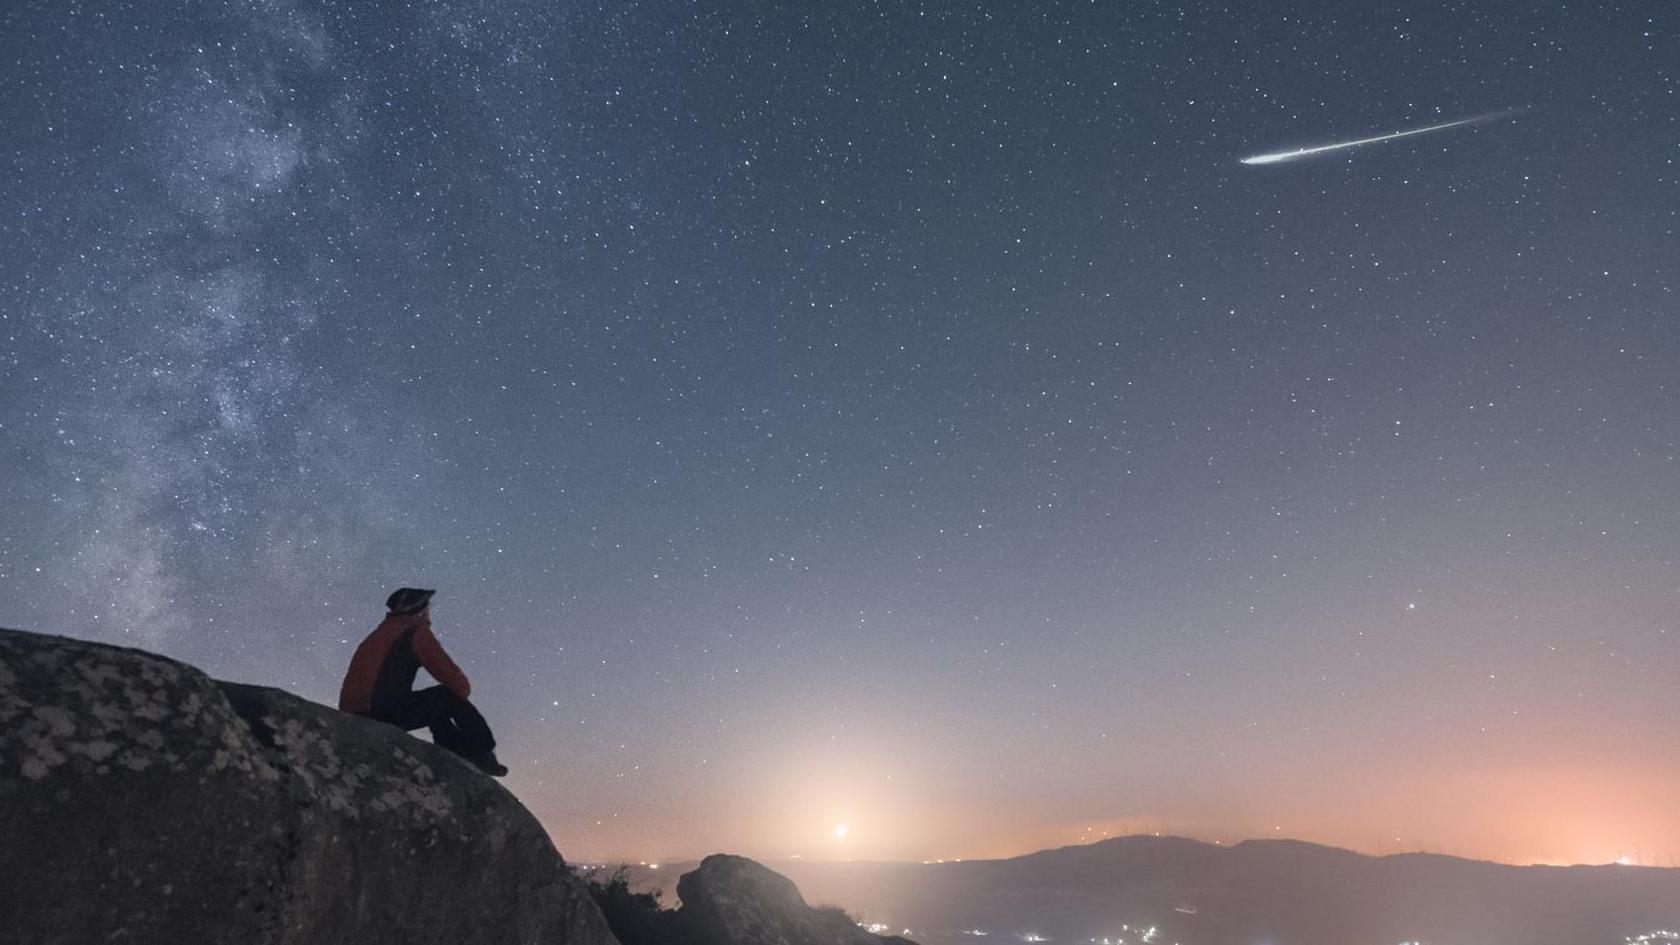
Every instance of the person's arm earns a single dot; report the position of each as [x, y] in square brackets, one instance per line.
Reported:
[438, 663]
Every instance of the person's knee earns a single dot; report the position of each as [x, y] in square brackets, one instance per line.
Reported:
[437, 699]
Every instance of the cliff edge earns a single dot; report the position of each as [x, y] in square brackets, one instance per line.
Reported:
[142, 801]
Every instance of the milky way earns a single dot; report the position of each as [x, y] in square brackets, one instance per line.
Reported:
[905, 417]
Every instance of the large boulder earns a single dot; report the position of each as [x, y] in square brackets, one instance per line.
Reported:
[731, 900]
[142, 801]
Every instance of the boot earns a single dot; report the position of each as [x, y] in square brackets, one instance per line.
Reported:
[488, 764]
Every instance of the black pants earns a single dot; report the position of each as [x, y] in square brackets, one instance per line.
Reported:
[455, 724]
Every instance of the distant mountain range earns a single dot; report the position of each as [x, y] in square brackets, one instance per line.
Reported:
[1260, 892]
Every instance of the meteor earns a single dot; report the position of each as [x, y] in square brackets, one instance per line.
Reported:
[1278, 157]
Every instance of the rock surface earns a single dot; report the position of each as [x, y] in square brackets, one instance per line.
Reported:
[142, 801]
[731, 900]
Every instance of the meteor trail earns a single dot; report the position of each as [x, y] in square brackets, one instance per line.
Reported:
[1278, 157]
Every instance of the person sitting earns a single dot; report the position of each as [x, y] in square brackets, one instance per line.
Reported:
[380, 682]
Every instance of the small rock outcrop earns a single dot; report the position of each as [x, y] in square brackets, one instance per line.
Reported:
[142, 801]
[731, 900]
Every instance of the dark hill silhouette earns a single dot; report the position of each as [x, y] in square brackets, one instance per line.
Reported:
[731, 900]
[726, 900]
[1281, 891]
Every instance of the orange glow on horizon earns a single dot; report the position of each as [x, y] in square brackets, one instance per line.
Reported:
[1540, 814]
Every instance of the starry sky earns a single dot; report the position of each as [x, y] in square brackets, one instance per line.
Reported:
[909, 417]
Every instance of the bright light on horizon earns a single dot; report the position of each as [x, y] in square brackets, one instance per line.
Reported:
[841, 832]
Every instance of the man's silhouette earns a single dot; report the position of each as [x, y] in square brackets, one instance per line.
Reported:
[380, 682]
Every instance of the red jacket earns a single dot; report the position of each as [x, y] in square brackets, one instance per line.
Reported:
[385, 664]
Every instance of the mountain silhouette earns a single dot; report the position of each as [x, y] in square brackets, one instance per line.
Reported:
[1259, 892]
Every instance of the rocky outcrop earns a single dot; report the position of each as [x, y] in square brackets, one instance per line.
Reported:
[731, 900]
[142, 801]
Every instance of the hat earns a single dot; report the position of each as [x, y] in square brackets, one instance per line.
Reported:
[408, 600]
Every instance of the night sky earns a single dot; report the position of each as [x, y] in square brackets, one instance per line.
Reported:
[909, 417]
